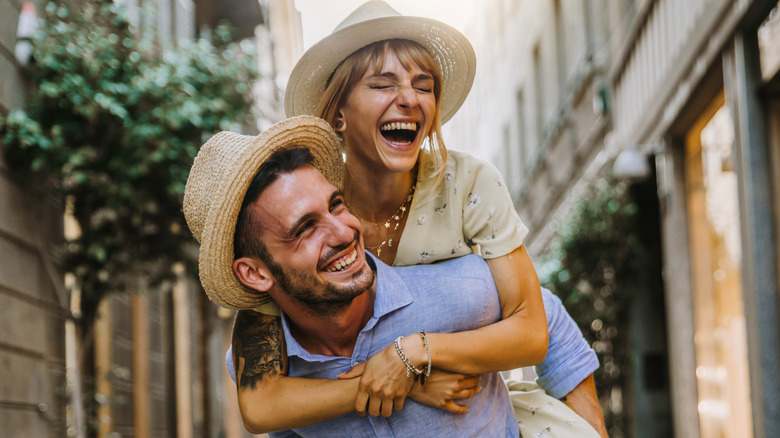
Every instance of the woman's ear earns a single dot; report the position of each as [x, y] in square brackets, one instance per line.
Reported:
[253, 273]
[340, 124]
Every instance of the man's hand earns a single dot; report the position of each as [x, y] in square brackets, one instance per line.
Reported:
[383, 383]
[442, 388]
[583, 400]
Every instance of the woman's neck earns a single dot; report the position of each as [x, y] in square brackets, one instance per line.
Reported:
[381, 200]
[375, 196]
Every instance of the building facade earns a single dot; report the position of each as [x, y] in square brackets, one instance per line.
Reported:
[692, 84]
[565, 89]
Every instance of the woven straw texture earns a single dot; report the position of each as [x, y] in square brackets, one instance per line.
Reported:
[215, 190]
[376, 21]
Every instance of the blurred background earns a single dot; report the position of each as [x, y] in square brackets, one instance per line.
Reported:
[640, 140]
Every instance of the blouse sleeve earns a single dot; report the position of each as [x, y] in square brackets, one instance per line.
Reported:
[489, 217]
[471, 208]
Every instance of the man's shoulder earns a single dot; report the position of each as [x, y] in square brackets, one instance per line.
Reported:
[468, 266]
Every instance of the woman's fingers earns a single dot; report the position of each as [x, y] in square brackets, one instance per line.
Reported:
[398, 404]
[375, 406]
[356, 371]
[469, 381]
[361, 403]
[455, 408]
[466, 393]
[387, 408]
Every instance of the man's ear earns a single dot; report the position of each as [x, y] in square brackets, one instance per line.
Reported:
[253, 273]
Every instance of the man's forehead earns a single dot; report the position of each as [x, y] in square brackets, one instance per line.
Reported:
[293, 195]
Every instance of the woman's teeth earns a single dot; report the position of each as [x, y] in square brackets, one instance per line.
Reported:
[340, 266]
[409, 126]
[401, 133]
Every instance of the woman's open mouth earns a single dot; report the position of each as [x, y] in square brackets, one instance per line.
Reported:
[399, 133]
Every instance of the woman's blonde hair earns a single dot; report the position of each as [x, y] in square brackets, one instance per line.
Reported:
[433, 157]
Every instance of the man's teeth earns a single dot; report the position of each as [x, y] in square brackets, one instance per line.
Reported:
[409, 126]
[340, 266]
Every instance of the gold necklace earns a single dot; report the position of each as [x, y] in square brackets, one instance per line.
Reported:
[395, 218]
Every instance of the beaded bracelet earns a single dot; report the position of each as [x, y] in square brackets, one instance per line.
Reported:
[409, 367]
[423, 373]
[426, 368]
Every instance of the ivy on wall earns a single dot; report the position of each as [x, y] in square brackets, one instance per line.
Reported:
[114, 123]
[592, 269]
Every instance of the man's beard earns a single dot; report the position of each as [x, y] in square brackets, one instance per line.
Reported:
[333, 298]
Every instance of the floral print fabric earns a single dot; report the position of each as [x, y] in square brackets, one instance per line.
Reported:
[471, 212]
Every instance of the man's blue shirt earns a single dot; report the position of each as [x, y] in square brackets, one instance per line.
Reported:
[452, 296]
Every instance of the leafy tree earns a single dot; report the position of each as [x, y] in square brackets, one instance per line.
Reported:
[114, 123]
[593, 269]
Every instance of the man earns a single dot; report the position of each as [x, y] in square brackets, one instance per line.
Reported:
[296, 243]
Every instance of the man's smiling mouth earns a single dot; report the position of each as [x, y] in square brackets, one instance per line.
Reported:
[400, 133]
[345, 262]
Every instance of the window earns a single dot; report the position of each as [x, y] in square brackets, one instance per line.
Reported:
[715, 250]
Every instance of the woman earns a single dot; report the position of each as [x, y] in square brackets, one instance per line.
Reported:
[388, 99]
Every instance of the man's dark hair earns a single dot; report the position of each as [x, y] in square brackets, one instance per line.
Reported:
[246, 240]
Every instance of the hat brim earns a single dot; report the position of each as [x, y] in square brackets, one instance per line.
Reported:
[448, 46]
[216, 252]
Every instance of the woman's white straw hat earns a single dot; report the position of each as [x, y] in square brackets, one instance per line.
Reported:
[218, 181]
[377, 21]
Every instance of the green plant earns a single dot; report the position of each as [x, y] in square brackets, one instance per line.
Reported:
[114, 123]
[592, 269]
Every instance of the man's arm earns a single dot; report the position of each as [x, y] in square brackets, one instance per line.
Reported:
[583, 401]
[566, 372]
[270, 400]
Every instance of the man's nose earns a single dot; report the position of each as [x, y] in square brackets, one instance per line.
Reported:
[341, 230]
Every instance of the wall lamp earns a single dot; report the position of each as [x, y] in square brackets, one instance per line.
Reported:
[28, 24]
[632, 162]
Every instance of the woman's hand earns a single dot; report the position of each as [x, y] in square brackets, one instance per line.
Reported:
[383, 382]
[442, 388]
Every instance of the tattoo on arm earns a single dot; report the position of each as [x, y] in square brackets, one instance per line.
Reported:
[258, 347]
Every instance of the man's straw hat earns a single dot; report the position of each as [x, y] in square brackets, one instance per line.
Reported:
[377, 21]
[215, 190]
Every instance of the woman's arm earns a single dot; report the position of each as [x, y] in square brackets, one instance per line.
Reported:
[270, 400]
[518, 340]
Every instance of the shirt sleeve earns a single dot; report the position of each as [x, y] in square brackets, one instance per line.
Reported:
[569, 356]
[489, 217]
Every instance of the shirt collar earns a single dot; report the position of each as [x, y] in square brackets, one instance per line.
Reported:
[391, 295]
[392, 292]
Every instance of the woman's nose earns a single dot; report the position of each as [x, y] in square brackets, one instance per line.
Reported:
[407, 97]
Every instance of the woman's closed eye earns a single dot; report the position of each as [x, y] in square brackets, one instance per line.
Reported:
[423, 85]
